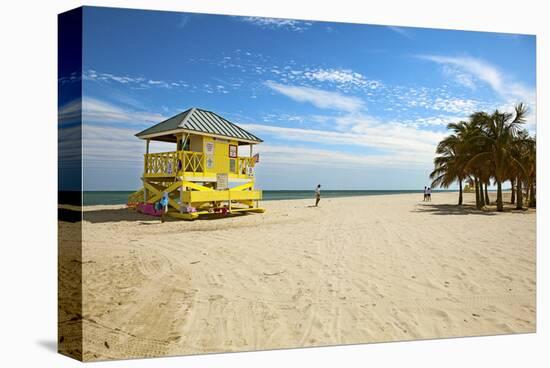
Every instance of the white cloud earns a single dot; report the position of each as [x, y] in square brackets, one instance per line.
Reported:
[71, 78]
[401, 31]
[98, 111]
[344, 77]
[511, 91]
[362, 131]
[69, 146]
[136, 82]
[287, 155]
[317, 97]
[436, 121]
[278, 23]
[70, 112]
[466, 69]
[111, 147]
[477, 67]
[184, 19]
[334, 75]
[109, 77]
[454, 105]
[460, 77]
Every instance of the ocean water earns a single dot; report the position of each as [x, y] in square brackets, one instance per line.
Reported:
[121, 197]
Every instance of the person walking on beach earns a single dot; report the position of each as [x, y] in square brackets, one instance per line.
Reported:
[317, 195]
[425, 193]
[429, 194]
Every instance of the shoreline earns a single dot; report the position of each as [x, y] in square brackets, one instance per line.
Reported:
[312, 199]
[268, 195]
[467, 204]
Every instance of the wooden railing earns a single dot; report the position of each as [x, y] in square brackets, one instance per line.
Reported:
[191, 161]
[163, 163]
[245, 165]
[176, 162]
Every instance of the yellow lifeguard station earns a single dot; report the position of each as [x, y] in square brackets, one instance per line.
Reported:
[204, 174]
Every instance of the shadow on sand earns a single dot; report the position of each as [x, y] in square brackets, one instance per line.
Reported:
[451, 209]
[118, 215]
[127, 214]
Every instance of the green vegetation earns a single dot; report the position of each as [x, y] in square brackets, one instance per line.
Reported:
[489, 148]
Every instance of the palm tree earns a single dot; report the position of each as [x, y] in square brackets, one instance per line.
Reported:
[448, 167]
[488, 147]
[453, 151]
[498, 132]
[479, 170]
[531, 171]
[518, 168]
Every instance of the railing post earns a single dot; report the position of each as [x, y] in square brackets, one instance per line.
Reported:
[144, 164]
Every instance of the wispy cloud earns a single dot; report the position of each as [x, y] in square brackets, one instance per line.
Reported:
[467, 69]
[343, 77]
[71, 78]
[134, 82]
[455, 105]
[92, 74]
[319, 98]
[98, 111]
[183, 21]
[315, 157]
[401, 31]
[479, 68]
[463, 78]
[115, 147]
[277, 23]
[70, 113]
[392, 139]
[436, 121]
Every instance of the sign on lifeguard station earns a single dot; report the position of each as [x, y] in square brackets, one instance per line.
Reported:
[204, 174]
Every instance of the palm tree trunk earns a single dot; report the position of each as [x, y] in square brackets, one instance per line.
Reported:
[460, 192]
[500, 206]
[513, 197]
[481, 197]
[532, 196]
[476, 186]
[519, 204]
[487, 200]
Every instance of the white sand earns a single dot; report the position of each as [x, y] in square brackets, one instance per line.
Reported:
[355, 270]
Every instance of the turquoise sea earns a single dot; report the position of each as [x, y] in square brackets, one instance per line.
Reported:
[120, 197]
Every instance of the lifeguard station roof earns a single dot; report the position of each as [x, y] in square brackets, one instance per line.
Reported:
[200, 122]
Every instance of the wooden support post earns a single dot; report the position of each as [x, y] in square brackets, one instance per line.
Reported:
[144, 190]
[182, 188]
[229, 201]
[145, 158]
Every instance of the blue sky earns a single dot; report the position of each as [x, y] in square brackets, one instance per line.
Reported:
[347, 105]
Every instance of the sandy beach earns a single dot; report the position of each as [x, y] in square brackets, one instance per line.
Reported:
[355, 270]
